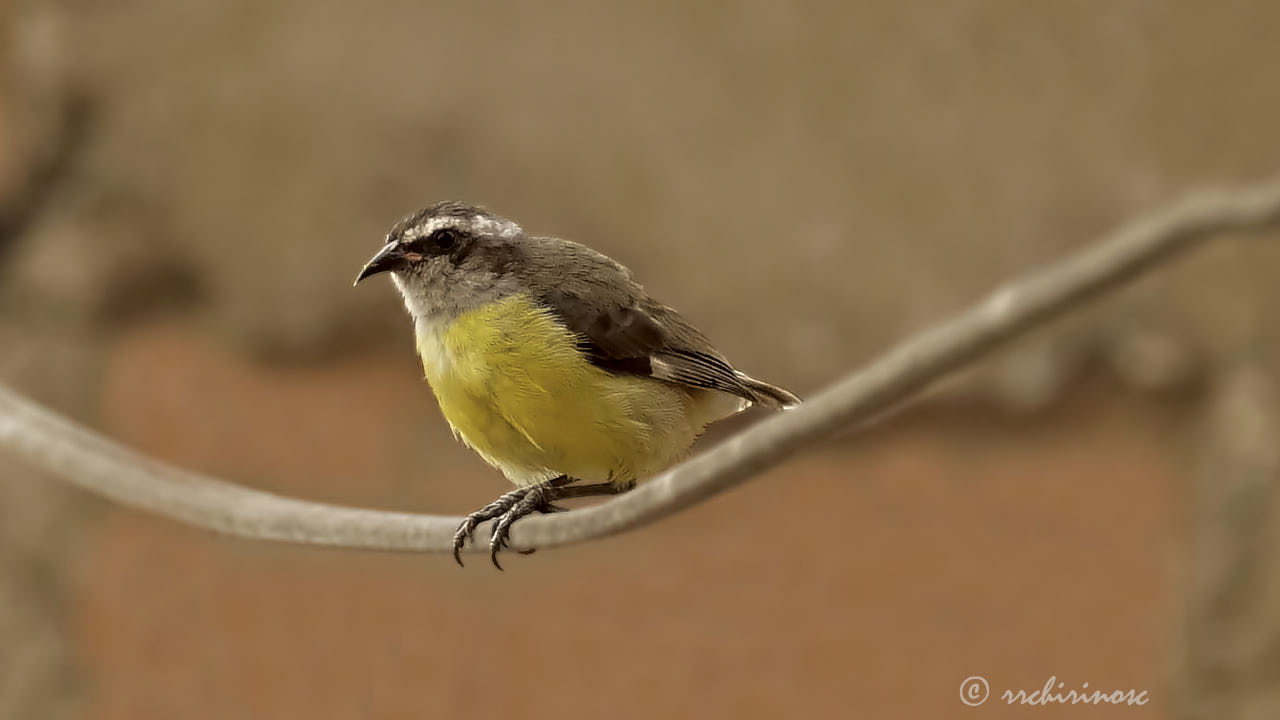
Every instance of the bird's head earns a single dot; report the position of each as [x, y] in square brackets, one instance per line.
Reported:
[448, 258]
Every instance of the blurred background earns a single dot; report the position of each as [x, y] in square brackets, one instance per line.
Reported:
[187, 190]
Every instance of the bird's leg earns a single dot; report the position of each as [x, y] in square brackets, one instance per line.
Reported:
[561, 493]
[605, 488]
[539, 499]
[501, 507]
[522, 502]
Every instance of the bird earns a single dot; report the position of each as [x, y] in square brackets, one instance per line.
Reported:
[551, 362]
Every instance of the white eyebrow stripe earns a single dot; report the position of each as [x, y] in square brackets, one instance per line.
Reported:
[479, 224]
[490, 225]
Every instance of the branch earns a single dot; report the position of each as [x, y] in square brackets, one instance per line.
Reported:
[96, 464]
[48, 171]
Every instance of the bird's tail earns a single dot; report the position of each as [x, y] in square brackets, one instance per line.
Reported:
[766, 394]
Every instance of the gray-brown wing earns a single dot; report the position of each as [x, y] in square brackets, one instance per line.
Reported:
[645, 338]
[623, 330]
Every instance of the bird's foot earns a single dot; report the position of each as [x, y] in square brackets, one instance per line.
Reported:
[508, 508]
[536, 499]
[525, 501]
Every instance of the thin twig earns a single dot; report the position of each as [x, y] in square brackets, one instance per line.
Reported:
[100, 466]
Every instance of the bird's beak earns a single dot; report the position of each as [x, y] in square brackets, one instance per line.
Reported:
[390, 257]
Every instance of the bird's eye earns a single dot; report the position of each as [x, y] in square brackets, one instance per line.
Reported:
[444, 239]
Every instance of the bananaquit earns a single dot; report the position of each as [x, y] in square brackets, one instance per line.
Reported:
[551, 362]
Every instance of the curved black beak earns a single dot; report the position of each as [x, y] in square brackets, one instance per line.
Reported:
[390, 257]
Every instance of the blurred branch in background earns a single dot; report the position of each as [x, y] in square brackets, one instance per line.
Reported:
[47, 124]
[54, 118]
[96, 464]
[1231, 585]
[44, 171]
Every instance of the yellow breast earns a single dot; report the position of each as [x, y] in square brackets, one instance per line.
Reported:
[514, 385]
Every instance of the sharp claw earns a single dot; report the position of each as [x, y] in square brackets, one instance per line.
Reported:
[504, 512]
[461, 536]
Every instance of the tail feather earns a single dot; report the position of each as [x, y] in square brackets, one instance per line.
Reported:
[766, 394]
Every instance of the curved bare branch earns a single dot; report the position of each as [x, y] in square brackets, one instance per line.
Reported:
[96, 464]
